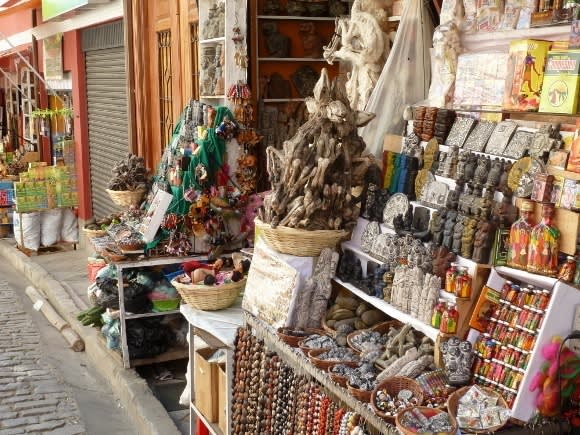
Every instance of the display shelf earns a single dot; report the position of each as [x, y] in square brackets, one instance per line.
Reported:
[361, 254]
[532, 278]
[281, 100]
[213, 40]
[171, 354]
[500, 40]
[213, 428]
[152, 314]
[290, 59]
[390, 310]
[214, 97]
[294, 17]
[302, 366]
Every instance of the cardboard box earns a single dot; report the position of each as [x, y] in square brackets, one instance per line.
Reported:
[205, 381]
[222, 398]
[525, 74]
[561, 82]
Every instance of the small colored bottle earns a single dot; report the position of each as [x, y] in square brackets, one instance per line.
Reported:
[513, 293]
[568, 270]
[437, 314]
[449, 320]
[463, 284]
[505, 289]
[450, 276]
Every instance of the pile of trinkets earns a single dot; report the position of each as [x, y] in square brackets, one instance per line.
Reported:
[317, 341]
[363, 377]
[338, 354]
[270, 397]
[391, 405]
[416, 421]
[480, 411]
[435, 388]
[358, 341]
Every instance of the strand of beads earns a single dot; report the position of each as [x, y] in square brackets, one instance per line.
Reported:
[344, 429]
[302, 407]
[292, 399]
[337, 420]
[254, 386]
[241, 360]
[324, 404]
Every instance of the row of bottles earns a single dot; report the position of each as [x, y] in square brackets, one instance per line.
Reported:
[445, 317]
[458, 281]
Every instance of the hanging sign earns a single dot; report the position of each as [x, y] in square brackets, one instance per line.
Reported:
[53, 57]
[54, 8]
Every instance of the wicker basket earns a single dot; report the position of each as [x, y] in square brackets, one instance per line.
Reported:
[321, 363]
[293, 340]
[301, 243]
[327, 329]
[339, 379]
[393, 386]
[361, 395]
[126, 198]
[427, 412]
[91, 234]
[453, 404]
[209, 298]
[381, 328]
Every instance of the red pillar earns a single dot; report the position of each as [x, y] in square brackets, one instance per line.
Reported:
[79, 97]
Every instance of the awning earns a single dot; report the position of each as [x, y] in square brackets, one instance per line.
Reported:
[8, 7]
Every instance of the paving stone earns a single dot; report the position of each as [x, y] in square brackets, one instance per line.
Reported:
[8, 414]
[48, 387]
[16, 399]
[36, 411]
[20, 421]
[28, 405]
[68, 430]
[13, 431]
[45, 426]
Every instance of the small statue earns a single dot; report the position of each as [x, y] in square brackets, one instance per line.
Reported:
[543, 248]
[448, 228]
[503, 178]
[504, 213]
[210, 25]
[475, 202]
[568, 269]
[458, 358]
[453, 198]
[467, 239]
[436, 227]
[296, 8]
[458, 234]
[278, 87]
[494, 175]
[278, 45]
[460, 171]
[486, 205]
[370, 200]
[483, 241]
[465, 200]
[520, 234]
[388, 285]
[482, 170]
[421, 223]
[311, 40]
[272, 7]
[450, 166]
[470, 166]
[442, 259]
[221, 20]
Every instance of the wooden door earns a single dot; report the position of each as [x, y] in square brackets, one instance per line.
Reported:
[164, 62]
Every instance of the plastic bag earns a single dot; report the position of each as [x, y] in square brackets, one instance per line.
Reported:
[70, 228]
[29, 238]
[405, 77]
[50, 226]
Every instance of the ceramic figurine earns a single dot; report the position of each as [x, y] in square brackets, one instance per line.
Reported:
[460, 170]
[458, 234]
[465, 200]
[450, 166]
[453, 198]
[470, 166]
[543, 248]
[468, 235]
[482, 170]
[505, 213]
[503, 178]
[436, 227]
[520, 234]
[458, 358]
[311, 40]
[494, 175]
[448, 228]
[277, 44]
[483, 241]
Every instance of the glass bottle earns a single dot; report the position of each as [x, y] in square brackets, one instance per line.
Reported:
[449, 320]
[520, 235]
[463, 284]
[543, 248]
[450, 276]
[437, 314]
[505, 289]
[568, 270]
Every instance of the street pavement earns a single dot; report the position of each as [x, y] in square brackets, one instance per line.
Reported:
[46, 388]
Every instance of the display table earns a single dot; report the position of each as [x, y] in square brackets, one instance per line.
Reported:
[218, 330]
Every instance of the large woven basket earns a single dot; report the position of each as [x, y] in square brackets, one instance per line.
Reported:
[393, 386]
[209, 298]
[453, 404]
[301, 243]
[126, 198]
[427, 412]
[381, 328]
[362, 395]
[91, 234]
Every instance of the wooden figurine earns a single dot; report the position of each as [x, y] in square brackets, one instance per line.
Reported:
[520, 234]
[468, 235]
[483, 241]
[278, 45]
[450, 221]
[543, 248]
[311, 40]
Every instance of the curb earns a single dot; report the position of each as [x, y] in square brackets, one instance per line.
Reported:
[145, 411]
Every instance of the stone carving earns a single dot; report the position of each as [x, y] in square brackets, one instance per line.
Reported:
[469, 229]
[446, 48]
[458, 358]
[304, 79]
[277, 44]
[436, 227]
[311, 40]
[458, 234]
[483, 241]
[448, 228]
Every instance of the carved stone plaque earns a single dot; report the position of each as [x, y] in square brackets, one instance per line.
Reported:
[500, 137]
[479, 136]
[459, 132]
[396, 205]
[519, 144]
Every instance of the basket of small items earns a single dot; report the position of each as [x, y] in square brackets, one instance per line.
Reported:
[325, 358]
[210, 288]
[394, 395]
[128, 185]
[292, 337]
[424, 420]
[340, 372]
[478, 409]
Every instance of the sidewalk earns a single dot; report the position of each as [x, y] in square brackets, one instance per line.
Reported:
[50, 273]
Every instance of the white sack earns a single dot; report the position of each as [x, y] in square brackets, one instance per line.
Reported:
[30, 236]
[50, 222]
[70, 227]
